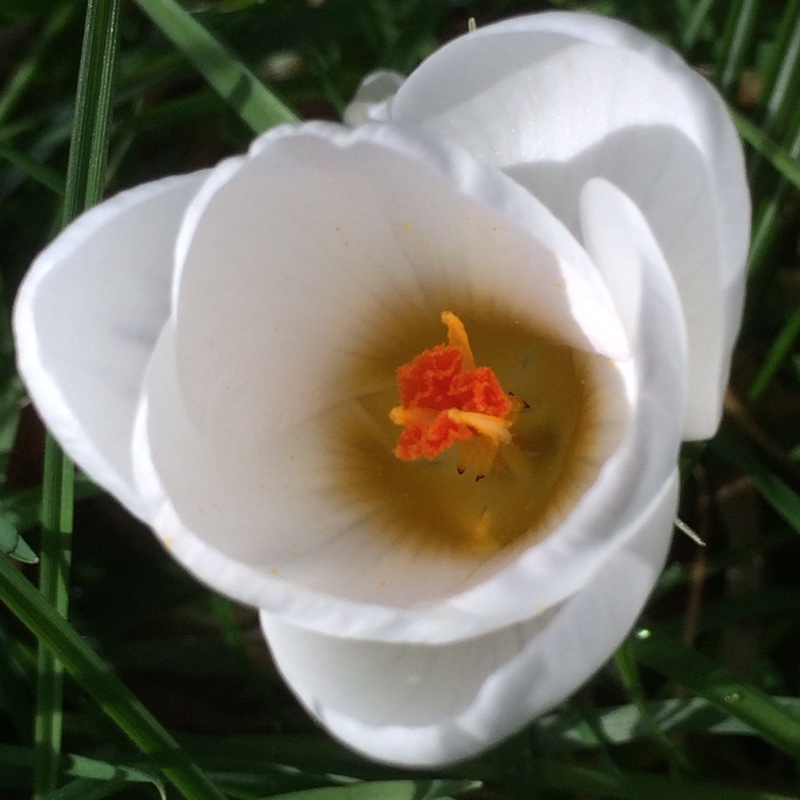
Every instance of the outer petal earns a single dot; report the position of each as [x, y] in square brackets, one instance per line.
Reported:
[309, 280]
[87, 317]
[423, 705]
[556, 99]
[419, 705]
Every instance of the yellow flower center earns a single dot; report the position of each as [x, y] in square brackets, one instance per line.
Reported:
[446, 400]
[489, 457]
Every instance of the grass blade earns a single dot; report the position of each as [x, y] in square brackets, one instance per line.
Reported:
[26, 70]
[628, 667]
[782, 160]
[54, 587]
[257, 106]
[694, 24]
[102, 683]
[713, 682]
[739, 30]
[780, 349]
[777, 493]
[85, 178]
[385, 790]
[639, 786]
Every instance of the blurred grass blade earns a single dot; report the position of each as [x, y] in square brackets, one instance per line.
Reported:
[565, 733]
[628, 667]
[54, 587]
[784, 162]
[778, 99]
[638, 786]
[39, 172]
[76, 766]
[694, 25]
[780, 349]
[770, 486]
[12, 544]
[385, 790]
[86, 789]
[424, 19]
[101, 682]
[14, 88]
[739, 29]
[257, 106]
[84, 185]
[710, 680]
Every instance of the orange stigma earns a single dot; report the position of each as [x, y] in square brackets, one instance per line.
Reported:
[447, 400]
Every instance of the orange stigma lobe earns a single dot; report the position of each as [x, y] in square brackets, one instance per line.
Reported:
[445, 399]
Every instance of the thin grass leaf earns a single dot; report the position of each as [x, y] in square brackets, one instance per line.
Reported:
[41, 173]
[640, 786]
[77, 766]
[15, 688]
[56, 556]
[697, 18]
[625, 659]
[778, 99]
[86, 789]
[772, 489]
[590, 732]
[713, 682]
[566, 733]
[424, 19]
[740, 27]
[779, 351]
[102, 683]
[765, 230]
[309, 753]
[12, 544]
[84, 186]
[29, 66]
[255, 104]
[768, 215]
[82, 767]
[385, 790]
[784, 161]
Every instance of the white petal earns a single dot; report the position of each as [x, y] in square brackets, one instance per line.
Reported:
[86, 319]
[325, 242]
[255, 518]
[419, 705]
[370, 103]
[556, 99]
[272, 526]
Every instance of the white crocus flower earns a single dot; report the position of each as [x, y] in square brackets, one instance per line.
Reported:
[242, 357]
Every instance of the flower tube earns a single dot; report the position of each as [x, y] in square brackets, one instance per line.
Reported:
[371, 384]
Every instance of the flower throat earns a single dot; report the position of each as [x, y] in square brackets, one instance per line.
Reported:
[489, 442]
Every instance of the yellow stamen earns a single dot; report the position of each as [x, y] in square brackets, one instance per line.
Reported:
[457, 337]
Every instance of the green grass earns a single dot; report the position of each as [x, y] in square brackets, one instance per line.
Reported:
[168, 690]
